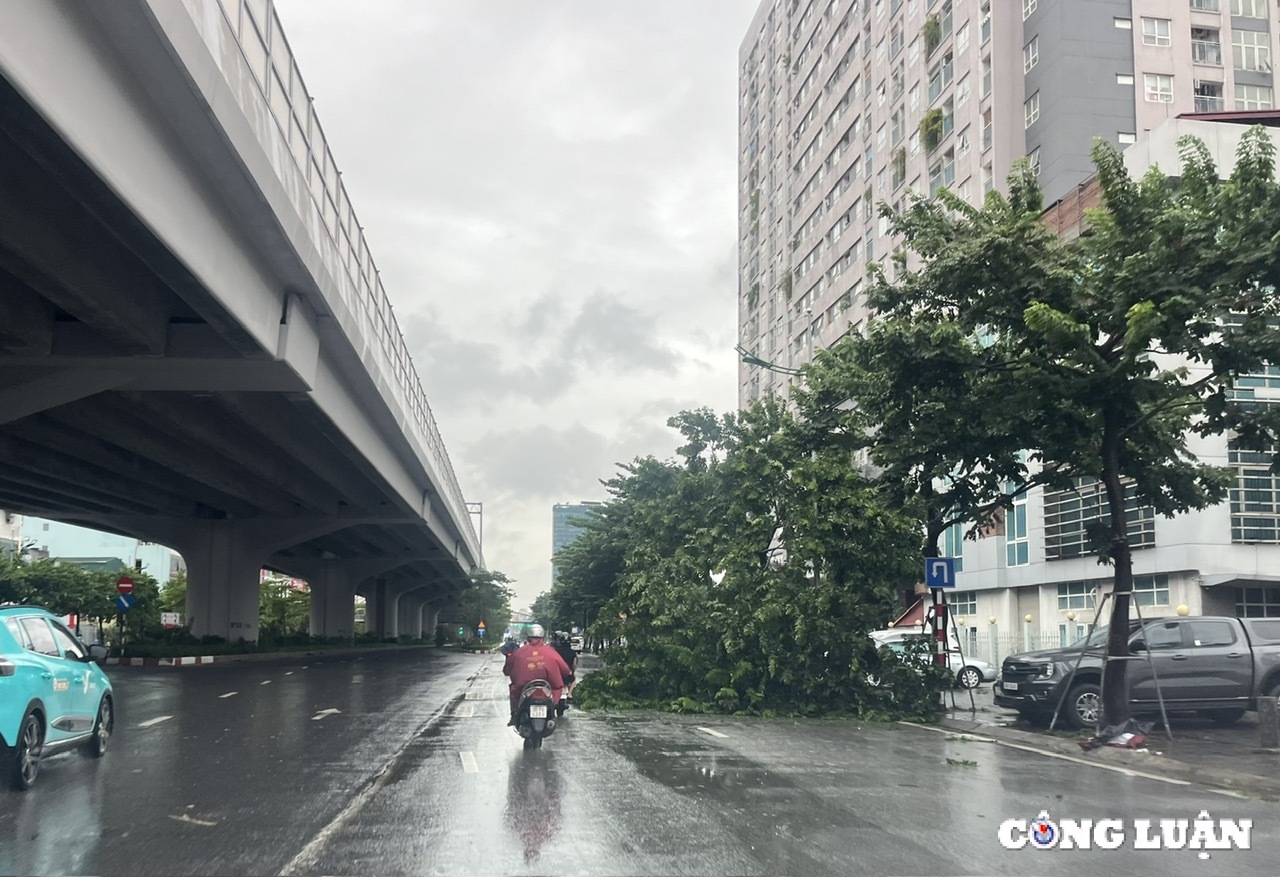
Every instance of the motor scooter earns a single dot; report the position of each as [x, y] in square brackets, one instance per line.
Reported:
[536, 715]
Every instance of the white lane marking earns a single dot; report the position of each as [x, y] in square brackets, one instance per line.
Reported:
[228, 694]
[713, 733]
[329, 712]
[194, 821]
[157, 720]
[1127, 771]
[469, 762]
[265, 682]
[307, 859]
[359, 677]
[289, 673]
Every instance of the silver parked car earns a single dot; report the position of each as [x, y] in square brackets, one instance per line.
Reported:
[970, 672]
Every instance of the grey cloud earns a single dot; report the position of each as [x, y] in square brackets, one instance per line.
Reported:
[608, 330]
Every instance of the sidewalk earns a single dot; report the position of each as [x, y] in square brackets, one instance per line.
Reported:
[1200, 752]
[249, 657]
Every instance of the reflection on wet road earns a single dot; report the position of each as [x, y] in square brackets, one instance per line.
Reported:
[342, 769]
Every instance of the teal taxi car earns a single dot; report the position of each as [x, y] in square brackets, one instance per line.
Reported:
[53, 695]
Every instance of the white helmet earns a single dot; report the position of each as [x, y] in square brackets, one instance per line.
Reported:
[536, 631]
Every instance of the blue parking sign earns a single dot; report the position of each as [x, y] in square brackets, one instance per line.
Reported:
[124, 602]
[940, 572]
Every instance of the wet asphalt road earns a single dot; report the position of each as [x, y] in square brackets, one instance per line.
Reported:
[265, 782]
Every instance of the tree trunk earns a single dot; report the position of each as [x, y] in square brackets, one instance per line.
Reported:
[1115, 693]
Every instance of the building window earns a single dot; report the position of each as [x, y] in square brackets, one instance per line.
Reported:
[962, 603]
[962, 90]
[1033, 159]
[942, 173]
[1252, 50]
[1156, 31]
[1208, 97]
[1127, 137]
[913, 97]
[1249, 8]
[1124, 79]
[962, 39]
[1159, 88]
[940, 76]
[1068, 514]
[1253, 97]
[1031, 109]
[1030, 54]
[1207, 5]
[986, 76]
[1255, 498]
[1206, 46]
[1258, 602]
[1124, 23]
[1028, 7]
[953, 546]
[985, 29]
[1017, 546]
[1075, 595]
[1151, 590]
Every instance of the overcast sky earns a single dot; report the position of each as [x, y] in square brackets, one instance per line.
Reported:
[548, 190]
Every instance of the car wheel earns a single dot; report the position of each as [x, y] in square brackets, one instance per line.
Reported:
[24, 756]
[969, 677]
[102, 728]
[1225, 716]
[1083, 706]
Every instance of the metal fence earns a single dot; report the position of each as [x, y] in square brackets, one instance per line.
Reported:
[995, 648]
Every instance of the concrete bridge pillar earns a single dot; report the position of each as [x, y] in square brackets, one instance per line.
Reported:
[333, 601]
[430, 620]
[223, 581]
[410, 616]
[382, 609]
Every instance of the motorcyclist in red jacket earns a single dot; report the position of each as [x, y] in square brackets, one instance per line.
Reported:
[534, 660]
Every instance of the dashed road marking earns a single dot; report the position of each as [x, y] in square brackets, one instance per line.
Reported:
[712, 732]
[289, 673]
[265, 682]
[228, 694]
[467, 711]
[469, 762]
[157, 720]
[329, 712]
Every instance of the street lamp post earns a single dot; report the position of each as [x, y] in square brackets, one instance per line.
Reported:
[751, 359]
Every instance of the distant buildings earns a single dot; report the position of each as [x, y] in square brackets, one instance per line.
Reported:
[565, 527]
[10, 533]
[94, 549]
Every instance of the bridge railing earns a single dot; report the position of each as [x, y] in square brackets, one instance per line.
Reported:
[248, 44]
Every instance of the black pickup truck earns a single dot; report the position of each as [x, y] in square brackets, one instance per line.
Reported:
[1216, 665]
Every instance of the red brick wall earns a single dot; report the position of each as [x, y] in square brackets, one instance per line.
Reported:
[1066, 217]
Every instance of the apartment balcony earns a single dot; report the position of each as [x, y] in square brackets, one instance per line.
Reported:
[1206, 5]
[1205, 52]
[1210, 104]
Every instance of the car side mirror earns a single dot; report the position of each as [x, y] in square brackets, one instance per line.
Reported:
[1138, 646]
[97, 653]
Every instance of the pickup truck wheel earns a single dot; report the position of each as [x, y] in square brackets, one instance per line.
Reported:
[1082, 706]
[1225, 716]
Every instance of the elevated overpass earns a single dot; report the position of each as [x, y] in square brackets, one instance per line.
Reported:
[195, 346]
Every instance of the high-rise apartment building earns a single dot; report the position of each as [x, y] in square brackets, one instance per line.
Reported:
[845, 104]
[566, 526]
